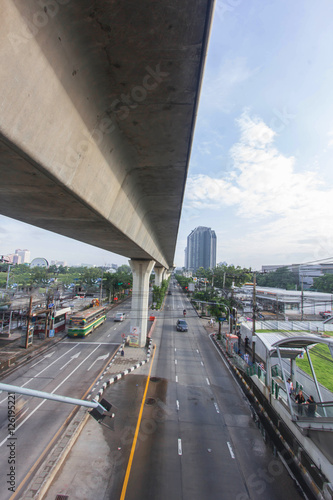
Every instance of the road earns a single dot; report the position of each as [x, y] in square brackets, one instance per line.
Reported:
[197, 438]
[70, 368]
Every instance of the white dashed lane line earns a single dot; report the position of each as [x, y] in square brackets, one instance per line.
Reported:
[207, 381]
[177, 404]
[231, 451]
[180, 451]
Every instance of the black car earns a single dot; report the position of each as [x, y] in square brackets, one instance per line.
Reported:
[182, 325]
[169, 293]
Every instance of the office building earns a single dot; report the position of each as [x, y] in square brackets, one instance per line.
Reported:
[201, 249]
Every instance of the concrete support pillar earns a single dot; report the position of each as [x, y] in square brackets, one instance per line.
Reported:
[167, 274]
[159, 273]
[141, 270]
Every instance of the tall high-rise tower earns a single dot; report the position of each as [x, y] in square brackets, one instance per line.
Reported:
[201, 249]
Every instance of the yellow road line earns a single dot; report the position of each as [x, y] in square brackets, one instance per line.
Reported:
[130, 460]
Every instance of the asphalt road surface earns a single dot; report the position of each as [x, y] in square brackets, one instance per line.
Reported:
[29, 427]
[197, 438]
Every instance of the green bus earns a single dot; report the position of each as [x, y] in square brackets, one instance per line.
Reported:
[84, 322]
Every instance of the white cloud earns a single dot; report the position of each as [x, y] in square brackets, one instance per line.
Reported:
[287, 207]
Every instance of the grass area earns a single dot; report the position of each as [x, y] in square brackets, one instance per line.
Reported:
[322, 364]
[321, 360]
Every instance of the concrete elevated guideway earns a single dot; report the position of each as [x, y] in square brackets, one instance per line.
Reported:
[98, 106]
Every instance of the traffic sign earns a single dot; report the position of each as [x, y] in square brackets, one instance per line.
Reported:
[123, 335]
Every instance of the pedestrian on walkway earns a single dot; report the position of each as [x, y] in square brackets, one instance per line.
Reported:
[122, 352]
[311, 407]
[289, 386]
[300, 400]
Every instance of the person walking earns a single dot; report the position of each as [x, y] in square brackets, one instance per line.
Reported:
[300, 400]
[289, 387]
[311, 407]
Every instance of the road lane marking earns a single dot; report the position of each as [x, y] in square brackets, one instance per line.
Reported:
[207, 381]
[43, 454]
[98, 359]
[91, 343]
[75, 356]
[180, 451]
[177, 404]
[54, 390]
[48, 366]
[201, 363]
[130, 460]
[175, 349]
[216, 408]
[230, 450]
[44, 357]
[197, 351]
[176, 378]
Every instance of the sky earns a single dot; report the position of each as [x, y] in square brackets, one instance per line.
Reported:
[260, 170]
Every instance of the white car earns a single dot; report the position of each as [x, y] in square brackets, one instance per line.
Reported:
[119, 316]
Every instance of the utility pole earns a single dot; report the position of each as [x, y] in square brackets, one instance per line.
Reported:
[302, 301]
[254, 319]
[101, 289]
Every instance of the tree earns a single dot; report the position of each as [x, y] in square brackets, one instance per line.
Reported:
[281, 278]
[225, 276]
[124, 269]
[39, 276]
[323, 283]
[91, 276]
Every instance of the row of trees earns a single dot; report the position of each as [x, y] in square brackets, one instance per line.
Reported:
[74, 278]
[224, 276]
[214, 288]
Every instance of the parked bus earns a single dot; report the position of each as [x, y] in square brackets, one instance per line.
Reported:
[59, 323]
[84, 322]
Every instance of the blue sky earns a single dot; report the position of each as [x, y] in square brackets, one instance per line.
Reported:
[260, 171]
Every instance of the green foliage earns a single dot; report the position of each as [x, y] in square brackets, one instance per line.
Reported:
[205, 295]
[125, 270]
[159, 293]
[225, 276]
[116, 283]
[322, 364]
[323, 283]
[281, 278]
[39, 276]
[183, 281]
[91, 276]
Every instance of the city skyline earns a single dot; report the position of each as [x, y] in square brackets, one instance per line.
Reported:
[260, 169]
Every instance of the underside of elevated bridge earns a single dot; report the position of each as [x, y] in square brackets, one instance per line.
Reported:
[98, 107]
